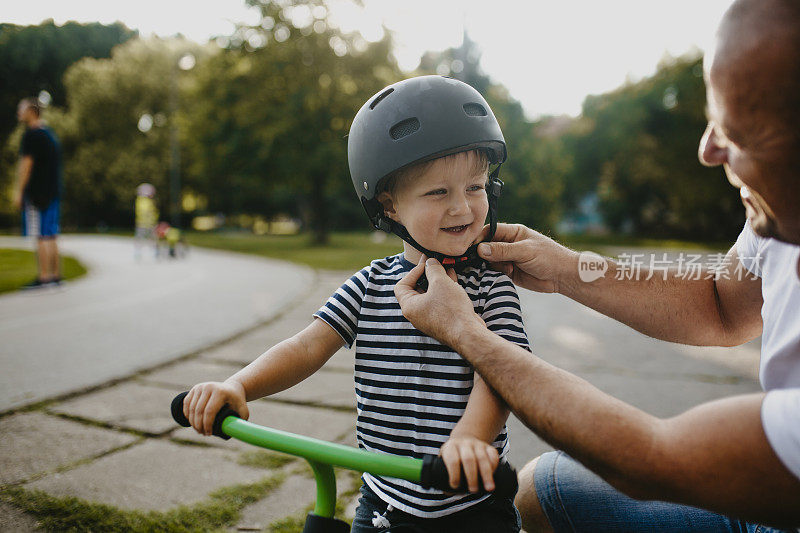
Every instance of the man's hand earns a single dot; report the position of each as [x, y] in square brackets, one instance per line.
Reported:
[530, 259]
[444, 310]
[478, 459]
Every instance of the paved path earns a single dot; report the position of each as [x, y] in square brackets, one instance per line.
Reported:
[84, 446]
[127, 315]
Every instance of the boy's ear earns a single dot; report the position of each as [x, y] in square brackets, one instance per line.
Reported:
[388, 204]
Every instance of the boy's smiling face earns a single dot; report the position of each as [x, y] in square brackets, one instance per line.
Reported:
[444, 205]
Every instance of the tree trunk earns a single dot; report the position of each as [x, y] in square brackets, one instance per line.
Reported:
[319, 211]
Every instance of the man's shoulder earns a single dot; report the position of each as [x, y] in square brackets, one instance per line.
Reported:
[39, 134]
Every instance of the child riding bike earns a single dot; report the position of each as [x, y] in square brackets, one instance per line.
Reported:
[419, 153]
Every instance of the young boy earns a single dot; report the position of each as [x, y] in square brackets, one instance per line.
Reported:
[427, 182]
[146, 217]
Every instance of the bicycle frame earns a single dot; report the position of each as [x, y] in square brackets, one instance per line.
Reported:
[429, 472]
[323, 456]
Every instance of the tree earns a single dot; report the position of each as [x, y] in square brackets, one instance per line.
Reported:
[107, 154]
[272, 138]
[536, 165]
[34, 58]
[641, 149]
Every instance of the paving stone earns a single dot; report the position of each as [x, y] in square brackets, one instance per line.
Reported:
[335, 389]
[129, 405]
[189, 373]
[12, 519]
[316, 422]
[155, 475]
[350, 507]
[31, 443]
[294, 495]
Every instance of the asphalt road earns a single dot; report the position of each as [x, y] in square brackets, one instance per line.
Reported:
[127, 315]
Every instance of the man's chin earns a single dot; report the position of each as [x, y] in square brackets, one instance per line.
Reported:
[767, 228]
[762, 226]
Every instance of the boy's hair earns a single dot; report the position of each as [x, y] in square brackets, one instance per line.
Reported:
[480, 165]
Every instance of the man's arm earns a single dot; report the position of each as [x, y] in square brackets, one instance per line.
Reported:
[715, 456]
[23, 176]
[722, 310]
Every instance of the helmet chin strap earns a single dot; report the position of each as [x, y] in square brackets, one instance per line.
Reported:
[470, 257]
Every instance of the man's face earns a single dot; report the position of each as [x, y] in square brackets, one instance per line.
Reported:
[743, 139]
[23, 110]
[444, 208]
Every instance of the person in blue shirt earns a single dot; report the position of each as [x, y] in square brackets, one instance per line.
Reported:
[38, 191]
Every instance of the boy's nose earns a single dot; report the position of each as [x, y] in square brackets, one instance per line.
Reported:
[458, 205]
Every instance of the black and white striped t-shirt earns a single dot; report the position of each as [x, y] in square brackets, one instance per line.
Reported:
[411, 390]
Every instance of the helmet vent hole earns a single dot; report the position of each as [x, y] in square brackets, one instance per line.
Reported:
[475, 110]
[380, 97]
[404, 128]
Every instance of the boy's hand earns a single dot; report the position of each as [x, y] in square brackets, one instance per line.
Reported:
[205, 400]
[477, 458]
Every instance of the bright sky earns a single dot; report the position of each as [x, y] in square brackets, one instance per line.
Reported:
[549, 54]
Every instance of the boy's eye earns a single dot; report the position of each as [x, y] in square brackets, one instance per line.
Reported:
[436, 191]
[475, 188]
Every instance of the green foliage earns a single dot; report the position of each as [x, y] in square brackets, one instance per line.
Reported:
[536, 165]
[34, 58]
[272, 138]
[18, 267]
[636, 147]
[262, 121]
[108, 154]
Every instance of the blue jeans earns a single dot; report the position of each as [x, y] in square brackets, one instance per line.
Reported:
[495, 515]
[575, 499]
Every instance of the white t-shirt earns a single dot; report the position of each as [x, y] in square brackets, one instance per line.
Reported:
[775, 263]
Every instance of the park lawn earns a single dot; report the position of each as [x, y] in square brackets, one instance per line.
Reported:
[598, 243]
[353, 251]
[344, 251]
[18, 267]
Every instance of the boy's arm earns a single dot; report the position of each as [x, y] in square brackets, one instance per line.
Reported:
[282, 366]
[470, 443]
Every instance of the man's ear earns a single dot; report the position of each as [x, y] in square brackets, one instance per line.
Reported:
[388, 204]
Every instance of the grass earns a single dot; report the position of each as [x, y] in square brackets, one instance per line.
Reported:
[352, 251]
[598, 242]
[344, 251]
[18, 267]
[221, 509]
[264, 459]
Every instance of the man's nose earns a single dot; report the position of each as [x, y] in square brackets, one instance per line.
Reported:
[710, 152]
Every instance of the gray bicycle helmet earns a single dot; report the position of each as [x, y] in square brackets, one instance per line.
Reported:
[413, 121]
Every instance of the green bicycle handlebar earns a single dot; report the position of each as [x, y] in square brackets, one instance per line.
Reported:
[429, 472]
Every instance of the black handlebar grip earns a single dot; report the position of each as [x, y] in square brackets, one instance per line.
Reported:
[434, 475]
[178, 416]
